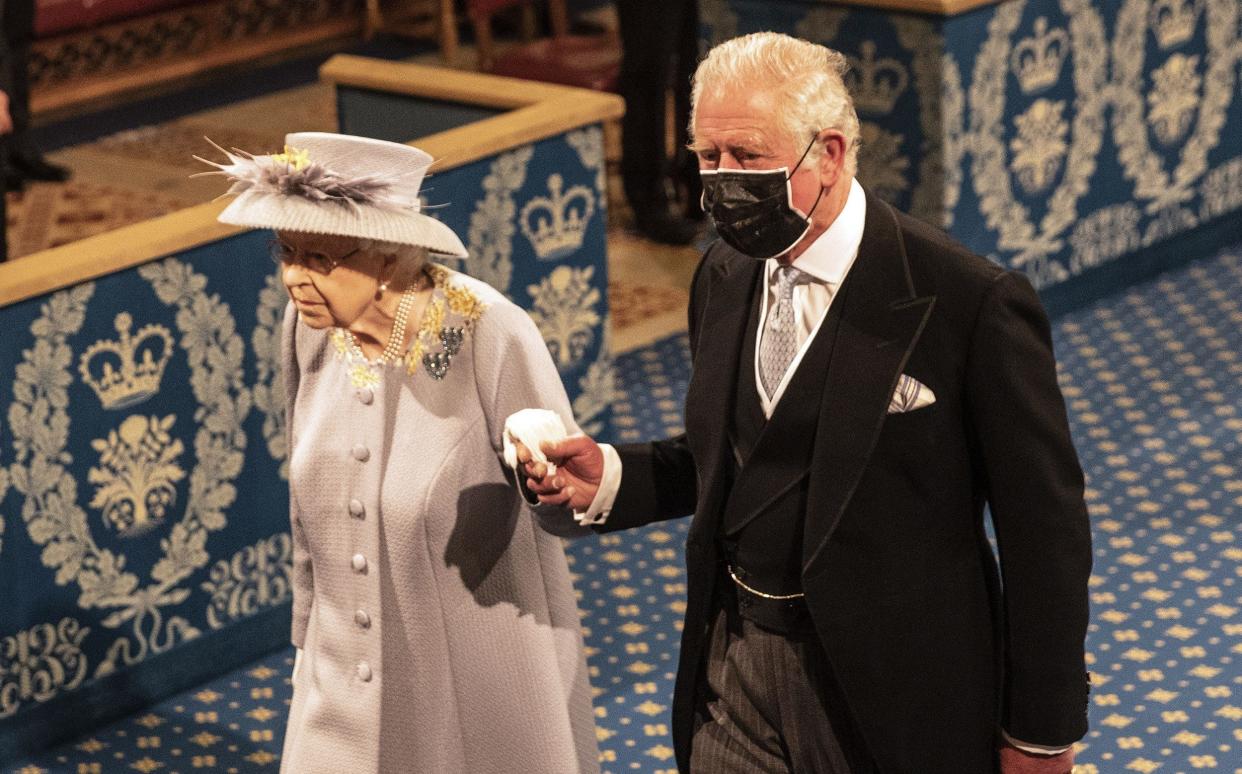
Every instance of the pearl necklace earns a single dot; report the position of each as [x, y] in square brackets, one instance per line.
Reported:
[396, 338]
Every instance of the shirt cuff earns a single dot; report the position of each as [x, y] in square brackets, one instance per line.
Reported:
[606, 495]
[1034, 749]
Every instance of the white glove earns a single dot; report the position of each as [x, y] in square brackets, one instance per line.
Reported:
[297, 664]
[530, 427]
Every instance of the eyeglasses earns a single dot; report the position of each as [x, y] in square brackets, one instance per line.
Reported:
[313, 261]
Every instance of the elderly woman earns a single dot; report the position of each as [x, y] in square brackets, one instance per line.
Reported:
[433, 612]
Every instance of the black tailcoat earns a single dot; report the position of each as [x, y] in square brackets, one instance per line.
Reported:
[904, 589]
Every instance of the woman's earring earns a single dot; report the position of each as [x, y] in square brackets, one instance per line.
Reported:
[381, 290]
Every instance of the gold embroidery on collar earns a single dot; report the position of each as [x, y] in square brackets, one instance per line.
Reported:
[464, 303]
[451, 313]
[363, 375]
[433, 321]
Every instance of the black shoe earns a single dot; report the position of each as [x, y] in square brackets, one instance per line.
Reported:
[39, 168]
[664, 227]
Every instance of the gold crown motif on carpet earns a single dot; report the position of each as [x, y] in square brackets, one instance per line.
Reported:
[129, 370]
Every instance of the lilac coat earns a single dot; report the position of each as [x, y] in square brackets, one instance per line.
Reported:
[439, 625]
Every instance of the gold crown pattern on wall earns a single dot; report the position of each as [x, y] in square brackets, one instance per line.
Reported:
[556, 224]
[1173, 21]
[1037, 60]
[136, 475]
[1027, 128]
[875, 83]
[127, 371]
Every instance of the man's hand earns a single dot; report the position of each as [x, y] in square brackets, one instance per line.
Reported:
[6, 120]
[579, 469]
[1015, 761]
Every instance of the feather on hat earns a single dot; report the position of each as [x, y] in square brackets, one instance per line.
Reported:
[335, 184]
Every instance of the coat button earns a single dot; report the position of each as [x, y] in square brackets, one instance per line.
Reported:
[362, 453]
[364, 671]
[359, 563]
[365, 396]
[362, 619]
[357, 509]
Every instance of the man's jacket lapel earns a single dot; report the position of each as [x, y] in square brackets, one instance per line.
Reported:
[881, 320]
[709, 397]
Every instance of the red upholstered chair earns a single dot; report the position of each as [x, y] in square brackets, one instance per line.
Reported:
[587, 61]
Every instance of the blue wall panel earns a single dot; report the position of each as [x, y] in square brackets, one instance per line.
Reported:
[1085, 143]
[142, 501]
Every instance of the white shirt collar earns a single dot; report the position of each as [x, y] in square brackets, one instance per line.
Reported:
[830, 257]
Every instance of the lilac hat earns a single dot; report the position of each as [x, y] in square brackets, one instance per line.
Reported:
[327, 183]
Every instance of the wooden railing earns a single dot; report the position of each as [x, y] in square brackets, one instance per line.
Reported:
[532, 111]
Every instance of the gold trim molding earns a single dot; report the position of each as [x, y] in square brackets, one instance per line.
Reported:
[535, 111]
[110, 252]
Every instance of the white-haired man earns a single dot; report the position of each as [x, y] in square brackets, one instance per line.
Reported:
[859, 394]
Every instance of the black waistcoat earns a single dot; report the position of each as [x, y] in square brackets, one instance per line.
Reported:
[765, 538]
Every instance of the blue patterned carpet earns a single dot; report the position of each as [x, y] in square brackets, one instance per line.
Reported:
[1153, 378]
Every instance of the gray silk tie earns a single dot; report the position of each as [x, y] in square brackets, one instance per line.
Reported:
[780, 334]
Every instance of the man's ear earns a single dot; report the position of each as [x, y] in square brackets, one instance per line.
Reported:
[832, 161]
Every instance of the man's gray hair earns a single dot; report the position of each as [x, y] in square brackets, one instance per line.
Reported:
[805, 77]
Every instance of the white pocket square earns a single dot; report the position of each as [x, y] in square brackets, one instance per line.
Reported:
[910, 394]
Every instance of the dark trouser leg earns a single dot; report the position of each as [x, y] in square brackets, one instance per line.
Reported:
[19, 20]
[733, 735]
[686, 164]
[651, 35]
[761, 709]
[25, 160]
[645, 43]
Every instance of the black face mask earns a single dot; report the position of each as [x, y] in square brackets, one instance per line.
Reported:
[753, 209]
